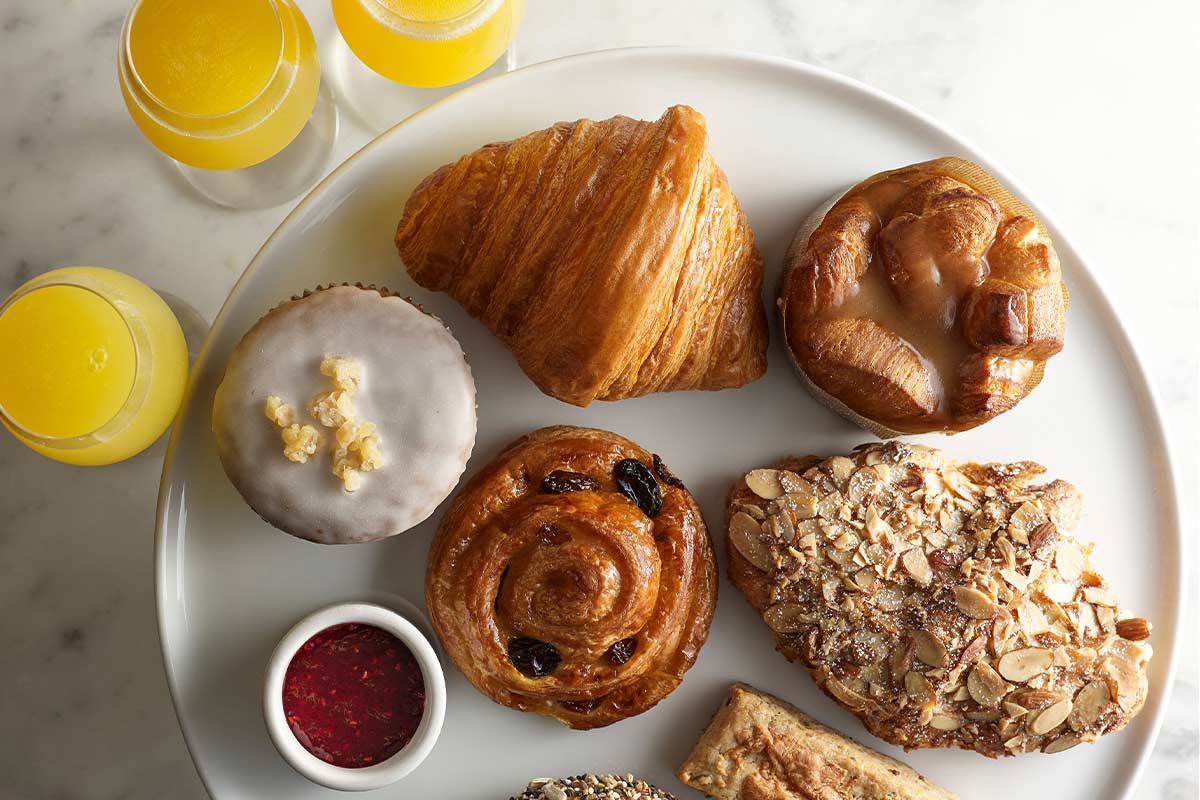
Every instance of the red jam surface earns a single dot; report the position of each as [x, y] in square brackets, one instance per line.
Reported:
[353, 695]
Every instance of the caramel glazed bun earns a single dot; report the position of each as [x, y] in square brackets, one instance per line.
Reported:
[925, 299]
[573, 577]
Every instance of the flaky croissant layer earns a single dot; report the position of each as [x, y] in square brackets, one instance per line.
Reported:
[611, 257]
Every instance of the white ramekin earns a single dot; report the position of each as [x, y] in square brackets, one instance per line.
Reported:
[385, 772]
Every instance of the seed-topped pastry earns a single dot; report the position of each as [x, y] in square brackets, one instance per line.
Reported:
[926, 298]
[592, 787]
[944, 603]
[573, 577]
[345, 415]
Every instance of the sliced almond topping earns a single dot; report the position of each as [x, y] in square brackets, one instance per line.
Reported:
[986, 686]
[764, 483]
[1028, 662]
[1068, 559]
[1049, 718]
[930, 649]
[917, 686]
[748, 537]
[792, 483]
[1135, 629]
[974, 603]
[840, 468]
[917, 565]
[879, 530]
[945, 722]
[1033, 699]
[782, 526]
[788, 618]
[844, 694]
[1090, 702]
[1014, 578]
[803, 505]
[1060, 592]
[1061, 743]
[753, 511]
[1122, 676]
[1099, 596]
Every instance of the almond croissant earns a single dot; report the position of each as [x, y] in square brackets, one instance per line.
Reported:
[611, 257]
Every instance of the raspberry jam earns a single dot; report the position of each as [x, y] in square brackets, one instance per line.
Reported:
[353, 695]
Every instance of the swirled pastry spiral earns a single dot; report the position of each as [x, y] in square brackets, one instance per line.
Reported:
[610, 257]
[924, 299]
[573, 577]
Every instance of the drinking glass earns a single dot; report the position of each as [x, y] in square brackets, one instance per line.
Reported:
[394, 57]
[231, 92]
[95, 365]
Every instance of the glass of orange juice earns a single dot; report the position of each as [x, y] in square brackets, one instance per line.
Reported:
[231, 91]
[94, 365]
[398, 56]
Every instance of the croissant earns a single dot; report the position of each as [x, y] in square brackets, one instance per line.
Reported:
[573, 577]
[944, 603]
[610, 257]
[920, 302]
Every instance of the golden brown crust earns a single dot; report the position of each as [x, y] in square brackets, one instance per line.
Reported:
[943, 603]
[962, 285]
[758, 747]
[611, 257]
[580, 570]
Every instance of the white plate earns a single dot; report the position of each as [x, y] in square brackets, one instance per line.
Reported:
[787, 135]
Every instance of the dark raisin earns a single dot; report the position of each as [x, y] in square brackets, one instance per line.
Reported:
[533, 657]
[562, 481]
[660, 469]
[636, 482]
[622, 651]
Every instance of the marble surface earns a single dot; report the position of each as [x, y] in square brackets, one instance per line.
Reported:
[1086, 101]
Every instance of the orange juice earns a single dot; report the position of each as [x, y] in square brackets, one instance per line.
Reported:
[219, 84]
[94, 365]
[428, 42]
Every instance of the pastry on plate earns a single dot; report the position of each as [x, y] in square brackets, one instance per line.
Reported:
[345, 415]
[945, 603]
[573, 577]
[926, 298]
[592, 787]
[610, 257]
[758, 746]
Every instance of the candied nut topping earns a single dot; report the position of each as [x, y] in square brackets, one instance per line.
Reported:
[944, 603]
[355, 444]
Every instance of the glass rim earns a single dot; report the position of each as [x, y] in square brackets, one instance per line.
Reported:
[126, 60]
[138, 335]
[465, 16]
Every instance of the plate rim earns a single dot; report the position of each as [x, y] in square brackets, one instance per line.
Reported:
[1129, 350]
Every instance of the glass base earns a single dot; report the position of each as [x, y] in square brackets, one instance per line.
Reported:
[379, 102]
[283, 176]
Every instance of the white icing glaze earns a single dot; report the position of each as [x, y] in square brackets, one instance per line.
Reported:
[416, 387]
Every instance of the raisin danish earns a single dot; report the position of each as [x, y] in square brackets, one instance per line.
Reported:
[943, 603]
[573, 577]
[610, 257]
[926, 298]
